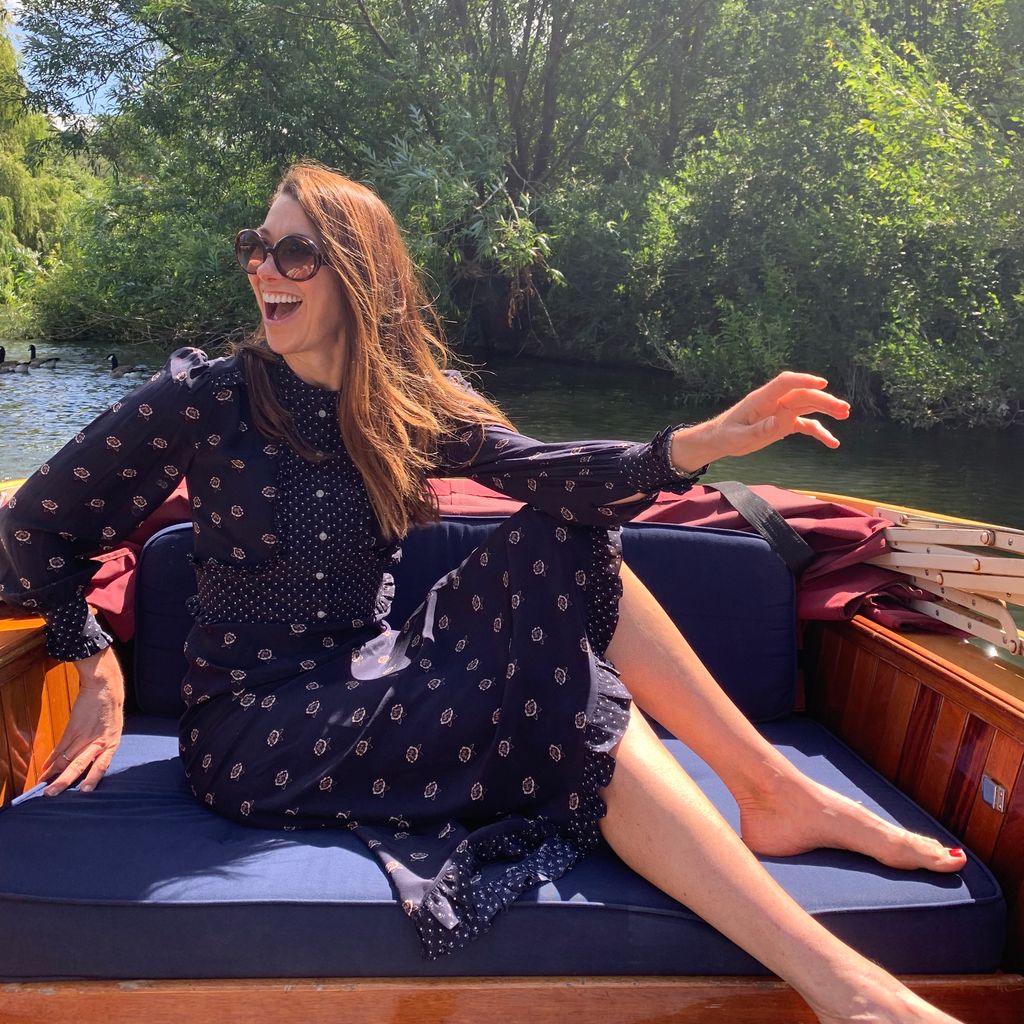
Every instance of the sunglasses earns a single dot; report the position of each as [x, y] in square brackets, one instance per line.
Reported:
[296, 257]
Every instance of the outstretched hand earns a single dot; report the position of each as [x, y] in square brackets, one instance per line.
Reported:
[781, 407]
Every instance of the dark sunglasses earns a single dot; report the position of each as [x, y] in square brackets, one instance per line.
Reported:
[296, 257]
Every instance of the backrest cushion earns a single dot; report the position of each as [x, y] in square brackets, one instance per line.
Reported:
[729, 593]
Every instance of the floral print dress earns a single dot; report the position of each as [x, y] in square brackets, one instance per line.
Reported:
[466, 747]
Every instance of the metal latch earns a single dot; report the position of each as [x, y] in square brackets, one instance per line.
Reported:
[993, 793]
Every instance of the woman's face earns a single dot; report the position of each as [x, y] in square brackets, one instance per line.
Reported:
[309, 333]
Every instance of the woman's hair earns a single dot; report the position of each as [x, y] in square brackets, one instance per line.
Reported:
[396, 404]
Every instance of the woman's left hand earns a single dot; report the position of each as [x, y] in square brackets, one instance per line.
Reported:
[781, 407]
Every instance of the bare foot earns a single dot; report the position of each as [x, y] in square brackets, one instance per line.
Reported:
[794, 814]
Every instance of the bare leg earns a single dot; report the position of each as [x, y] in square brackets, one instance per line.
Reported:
[662, 826]
[782, 812]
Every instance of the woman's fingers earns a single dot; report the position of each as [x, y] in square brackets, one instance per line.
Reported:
[98, 770]
[74, 769]
[801, 401]
[787, 381]
[812, 428]
[60, 757]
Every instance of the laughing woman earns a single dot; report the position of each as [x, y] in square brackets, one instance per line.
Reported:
[497, 725]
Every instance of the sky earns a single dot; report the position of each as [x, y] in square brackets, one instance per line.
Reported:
[102, 103]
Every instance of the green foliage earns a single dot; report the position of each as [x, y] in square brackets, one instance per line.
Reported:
[719, 189]
[38, 191]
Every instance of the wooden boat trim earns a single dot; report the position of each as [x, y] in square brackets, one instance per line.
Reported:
[987, 999]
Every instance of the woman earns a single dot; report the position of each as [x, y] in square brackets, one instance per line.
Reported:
[486, 729]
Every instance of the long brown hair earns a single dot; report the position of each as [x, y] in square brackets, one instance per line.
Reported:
[396, 404]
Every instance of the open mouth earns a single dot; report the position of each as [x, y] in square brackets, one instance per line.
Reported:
[278, 311]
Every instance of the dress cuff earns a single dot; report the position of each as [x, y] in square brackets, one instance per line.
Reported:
[72, 633]
[651, 467]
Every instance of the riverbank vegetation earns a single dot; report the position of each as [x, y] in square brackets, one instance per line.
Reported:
[719, 188]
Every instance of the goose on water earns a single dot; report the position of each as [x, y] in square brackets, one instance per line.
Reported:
[6, 367]
[48, 361]
[119, 371]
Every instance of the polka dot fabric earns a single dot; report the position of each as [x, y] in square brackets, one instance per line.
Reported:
[466, 747]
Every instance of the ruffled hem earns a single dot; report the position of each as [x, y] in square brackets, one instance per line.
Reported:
[461, 905]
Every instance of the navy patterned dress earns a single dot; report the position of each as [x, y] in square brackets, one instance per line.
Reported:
[466, 747]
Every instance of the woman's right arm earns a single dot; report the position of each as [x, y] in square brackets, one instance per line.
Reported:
[92, 494]
[85, 499]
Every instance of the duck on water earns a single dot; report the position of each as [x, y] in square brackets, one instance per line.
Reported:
[118, 371]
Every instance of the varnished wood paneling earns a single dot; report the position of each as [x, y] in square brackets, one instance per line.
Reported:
[1002, 765]
[21, 689]
[993, 999]
[1007, 864]
[837, 663]
[943, 728]
[881, 698]
[940, 756]
[965, 783]
[917, 739]
[36, 694]
[7, 781]
[894, 729]
[858, 714]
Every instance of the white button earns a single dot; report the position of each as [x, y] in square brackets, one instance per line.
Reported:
[319, 575]
[323, 536]
[322, 413]
[321, 614]
[319, 494]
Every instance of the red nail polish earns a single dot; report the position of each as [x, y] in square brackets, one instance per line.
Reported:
[956, 852]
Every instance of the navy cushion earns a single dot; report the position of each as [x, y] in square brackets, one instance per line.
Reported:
[730, 593]
[138, 879]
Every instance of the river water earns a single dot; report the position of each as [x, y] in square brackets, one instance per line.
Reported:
[972, 473]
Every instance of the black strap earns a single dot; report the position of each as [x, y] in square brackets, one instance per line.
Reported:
[768, 522]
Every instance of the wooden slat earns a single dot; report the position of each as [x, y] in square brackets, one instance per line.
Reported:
[36, 694]
[901, 706]
[1002, 764]
[839, 691]
[1008, 856]
[881, 697]
[940, 757]
[964, 789]
[8, 784]
[21, 687]
[1007, 864]
[989, 999]
[859, 714]
[917, 741]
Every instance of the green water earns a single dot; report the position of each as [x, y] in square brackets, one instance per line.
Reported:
[972, 473]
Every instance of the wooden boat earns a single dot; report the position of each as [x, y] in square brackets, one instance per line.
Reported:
[936, 717]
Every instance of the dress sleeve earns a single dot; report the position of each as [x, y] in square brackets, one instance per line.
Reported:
[93, 493]
[574, 480]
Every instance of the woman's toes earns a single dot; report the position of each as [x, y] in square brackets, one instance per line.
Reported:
[909, 851]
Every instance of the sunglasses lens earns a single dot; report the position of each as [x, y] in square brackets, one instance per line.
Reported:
[296, 258]
[249, 251]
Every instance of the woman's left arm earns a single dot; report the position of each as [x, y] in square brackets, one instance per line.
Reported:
[605, 483]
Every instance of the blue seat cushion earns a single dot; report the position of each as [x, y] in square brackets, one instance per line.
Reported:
[139, 880]
[728, 591]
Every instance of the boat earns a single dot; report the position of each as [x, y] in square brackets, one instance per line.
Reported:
[135, 902]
